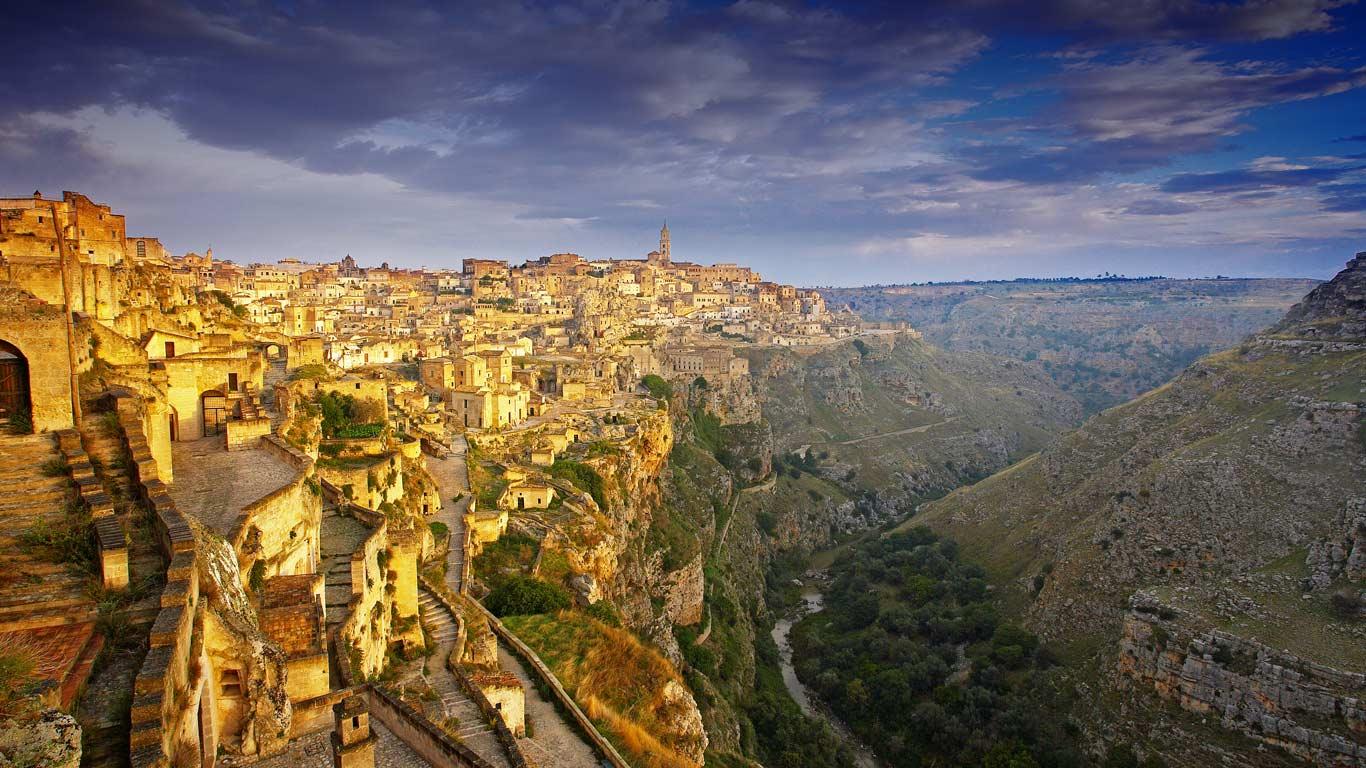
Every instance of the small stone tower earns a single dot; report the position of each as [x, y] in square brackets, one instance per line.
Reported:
[664, 244]
[353, 745]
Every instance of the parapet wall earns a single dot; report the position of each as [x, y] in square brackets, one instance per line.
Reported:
[1267, 695]
[425, 739]
[161, 718]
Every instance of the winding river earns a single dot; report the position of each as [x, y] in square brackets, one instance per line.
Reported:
[813, 601]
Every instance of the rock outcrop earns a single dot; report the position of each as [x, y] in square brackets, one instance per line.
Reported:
[1314, 712]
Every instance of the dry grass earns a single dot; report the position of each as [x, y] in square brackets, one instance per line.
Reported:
[639, 743]
[618, 681]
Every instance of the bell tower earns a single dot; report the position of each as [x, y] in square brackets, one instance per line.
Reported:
[664, 244]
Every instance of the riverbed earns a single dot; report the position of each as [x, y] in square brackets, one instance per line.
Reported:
[813, 601]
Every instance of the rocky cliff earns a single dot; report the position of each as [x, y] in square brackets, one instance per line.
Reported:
[1233, 494]
[1313, 712]
[847, 436]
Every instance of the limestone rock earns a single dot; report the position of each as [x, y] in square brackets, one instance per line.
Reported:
[52, 739]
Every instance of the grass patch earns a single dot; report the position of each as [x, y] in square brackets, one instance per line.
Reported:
[617, 680]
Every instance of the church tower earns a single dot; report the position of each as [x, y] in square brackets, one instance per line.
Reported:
[664, 244]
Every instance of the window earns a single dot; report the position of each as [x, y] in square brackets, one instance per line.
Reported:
[230, 683]
[40, 219]
[355, 721]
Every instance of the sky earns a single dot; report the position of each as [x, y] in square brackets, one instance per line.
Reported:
[822, 143]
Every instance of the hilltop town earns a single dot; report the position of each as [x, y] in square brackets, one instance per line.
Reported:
[287, 468]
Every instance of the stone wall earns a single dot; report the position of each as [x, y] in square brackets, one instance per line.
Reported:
[1314, 712]
[243, 434]
[282, 529]
[363, 636]
[428, 741]
[163, 717]
[38, 331]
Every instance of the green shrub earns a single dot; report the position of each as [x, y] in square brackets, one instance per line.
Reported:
[604, 612]
[584, 477]
[522, 595]
[659, 388]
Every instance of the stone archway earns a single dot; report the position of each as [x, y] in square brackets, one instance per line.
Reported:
[213, 408]
[16, 400]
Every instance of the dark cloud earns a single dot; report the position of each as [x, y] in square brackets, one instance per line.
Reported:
[1142, 112]
[1147, 20]
[748, 116]
[1253, 180]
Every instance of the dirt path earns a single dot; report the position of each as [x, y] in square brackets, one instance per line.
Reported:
[907, 431]
[767, 485]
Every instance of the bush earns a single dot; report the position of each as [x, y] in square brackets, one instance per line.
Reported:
[659, 388]
[522, 595]
[584, 477]
[440, 531]
[604, 612]
[1346, 605]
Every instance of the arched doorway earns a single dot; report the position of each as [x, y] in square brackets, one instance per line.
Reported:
[15, 400]
[173, 425]
[214, 406]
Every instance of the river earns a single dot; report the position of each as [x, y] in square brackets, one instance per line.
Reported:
[813, 601]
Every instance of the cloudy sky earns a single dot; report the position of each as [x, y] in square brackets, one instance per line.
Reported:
[825, 143]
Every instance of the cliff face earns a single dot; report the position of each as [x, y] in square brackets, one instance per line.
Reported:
[843, 438]
[1311, 711]
[1103, 341]
[1234, 494]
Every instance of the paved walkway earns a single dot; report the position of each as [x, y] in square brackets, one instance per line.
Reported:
[452, 479]
[315, 751]
[553, 743]
[213, 484]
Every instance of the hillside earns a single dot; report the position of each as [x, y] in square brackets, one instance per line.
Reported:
[1102, 341]
[892, 418]
[1204, 544]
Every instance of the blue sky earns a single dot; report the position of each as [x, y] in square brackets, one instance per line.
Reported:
[825, 143]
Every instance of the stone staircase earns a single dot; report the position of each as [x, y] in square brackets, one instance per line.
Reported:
[104, 708]
[472, 730]
[34, 592]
